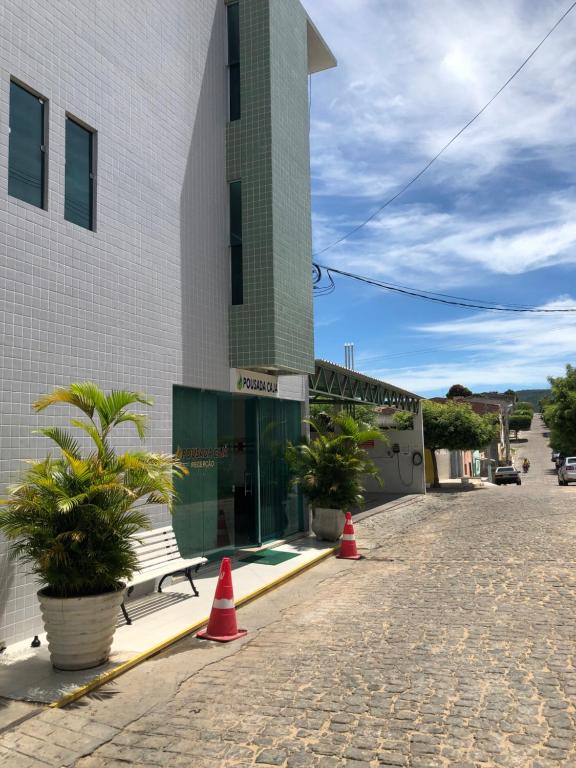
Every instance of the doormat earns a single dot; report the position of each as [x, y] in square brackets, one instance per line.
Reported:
[269, 557]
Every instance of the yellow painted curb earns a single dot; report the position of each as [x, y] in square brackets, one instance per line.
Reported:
[111, 674]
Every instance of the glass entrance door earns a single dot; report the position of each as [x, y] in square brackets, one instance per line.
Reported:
[281, 509]
[215, 436]
[237, 492]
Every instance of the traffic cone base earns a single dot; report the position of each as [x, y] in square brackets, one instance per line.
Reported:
[348, 549]
[203, 635]
[222, 625]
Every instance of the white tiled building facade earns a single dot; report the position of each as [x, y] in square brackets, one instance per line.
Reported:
[109, 305]
[142, 302]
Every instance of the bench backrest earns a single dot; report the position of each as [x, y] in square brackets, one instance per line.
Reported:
[156, 547]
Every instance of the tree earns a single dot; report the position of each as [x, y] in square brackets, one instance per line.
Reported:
[523, 407]
[458, 390]
[331, 468]
[73, 516]
[560, 412]
[403, 420]
[363, 414]
[454, 426]
[520, 421]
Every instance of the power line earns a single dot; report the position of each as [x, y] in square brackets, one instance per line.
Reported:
[452, 140]
[457, 301]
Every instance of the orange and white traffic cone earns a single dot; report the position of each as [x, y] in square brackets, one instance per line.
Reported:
[222, 624]
[348, 549]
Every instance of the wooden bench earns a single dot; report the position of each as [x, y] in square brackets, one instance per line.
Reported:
[159, 557]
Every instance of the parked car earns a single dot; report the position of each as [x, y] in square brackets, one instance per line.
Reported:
[506, 475]
[567, 472]
[554, 456]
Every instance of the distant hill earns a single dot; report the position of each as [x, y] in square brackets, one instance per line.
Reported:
[532, 395]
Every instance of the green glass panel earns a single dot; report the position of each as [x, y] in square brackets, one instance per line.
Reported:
[78, 184]
[214, 435]
[195, 518]
[26, 157]
[281, 506]
[237, 275]
[233, 34]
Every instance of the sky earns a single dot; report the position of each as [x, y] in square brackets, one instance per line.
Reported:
[493, 219]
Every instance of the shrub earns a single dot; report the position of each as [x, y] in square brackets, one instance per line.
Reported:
[74, 517]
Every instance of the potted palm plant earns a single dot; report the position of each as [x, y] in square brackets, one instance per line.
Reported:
[329, 469]
[74, 517]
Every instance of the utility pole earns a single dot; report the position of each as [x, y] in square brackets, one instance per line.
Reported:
[506, 423]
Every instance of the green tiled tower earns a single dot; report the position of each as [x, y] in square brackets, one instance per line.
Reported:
[268, 150]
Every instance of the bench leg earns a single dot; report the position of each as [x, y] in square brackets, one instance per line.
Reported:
[162, 581]
[123, 606]
[125, 612]
[188, 573]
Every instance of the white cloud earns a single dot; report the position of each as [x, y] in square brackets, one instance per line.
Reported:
[411, 74]
[427, 242]
[488, 350]
[437, 379]
[501, 202]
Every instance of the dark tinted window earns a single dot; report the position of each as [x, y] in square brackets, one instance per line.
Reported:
[234, 86]
[236, 213]
[234, 60]
[236, 242]
[78, 196]
[237, 275]
[26, 156]
[233, 34]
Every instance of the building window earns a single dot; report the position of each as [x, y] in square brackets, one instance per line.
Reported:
[26, 152]
[79, 182]
[234, 60]
[236, 242]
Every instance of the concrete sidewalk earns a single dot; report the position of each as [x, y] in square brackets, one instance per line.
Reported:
[27, 675]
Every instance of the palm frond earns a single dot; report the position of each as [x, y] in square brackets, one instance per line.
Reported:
[62, 438]
[138, 419]
[74, 518]
[82, 395]
[92, 431]
[114, 404]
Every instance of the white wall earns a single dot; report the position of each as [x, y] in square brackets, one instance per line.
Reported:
[443, 459]
[397, 470]
[293, 387]
[142, 303]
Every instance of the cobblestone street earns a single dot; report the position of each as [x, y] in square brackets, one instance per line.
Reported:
[450, 644]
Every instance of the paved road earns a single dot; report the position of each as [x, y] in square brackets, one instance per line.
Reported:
[450, 644]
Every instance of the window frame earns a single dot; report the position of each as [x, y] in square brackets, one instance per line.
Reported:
[93, 169]
[44, 146]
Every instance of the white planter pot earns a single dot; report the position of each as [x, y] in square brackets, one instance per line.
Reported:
[328, 524]
[80, 629]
